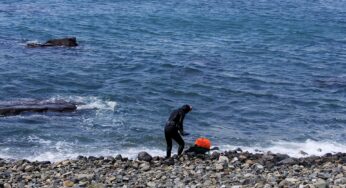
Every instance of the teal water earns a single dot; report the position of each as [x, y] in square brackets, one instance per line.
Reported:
[267, 75]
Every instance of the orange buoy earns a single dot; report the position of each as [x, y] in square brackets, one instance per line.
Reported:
[203, 143]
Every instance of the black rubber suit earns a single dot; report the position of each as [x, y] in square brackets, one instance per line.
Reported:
[173, 125]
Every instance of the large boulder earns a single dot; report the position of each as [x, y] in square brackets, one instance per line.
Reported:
[144, 156]
[66, 42]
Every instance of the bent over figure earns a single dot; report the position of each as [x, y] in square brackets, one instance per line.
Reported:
[173, 126]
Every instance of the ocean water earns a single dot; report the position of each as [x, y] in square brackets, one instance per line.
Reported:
[260, 75]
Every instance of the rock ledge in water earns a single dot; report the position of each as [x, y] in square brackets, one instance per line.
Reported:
[8, 108]
[66, 42]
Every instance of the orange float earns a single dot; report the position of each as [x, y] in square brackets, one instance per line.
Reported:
[203, 143]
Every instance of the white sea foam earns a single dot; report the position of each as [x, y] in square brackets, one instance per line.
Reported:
[67, 153]
[3, 153]
[34, 138]
[31, 42]
[294, 149]
[64, 150]
[61, 150]
[98, 104]
[89, 102]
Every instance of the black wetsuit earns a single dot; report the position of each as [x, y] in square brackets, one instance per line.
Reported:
[173, 125]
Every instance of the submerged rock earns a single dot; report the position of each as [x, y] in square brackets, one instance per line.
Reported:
[66, 42]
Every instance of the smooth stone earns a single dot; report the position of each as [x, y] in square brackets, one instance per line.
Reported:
[96, 185]
[287, 161]
[292, 180]
[29, 168]
[223, 160]
[234, 159]
[344, 168]
[259, 166]
[320, 184]
[236, 186]
[340, 181]
[65, 163]
[83, 184]
[324, 175]
[328, 165]
[339, 176]
[242, 157]
[145, 167]
[215, 155]
[135, 165]
[84, 176]
[68, 183]
[110, 179]
[151, 184]
[219, 166]
[67, 174]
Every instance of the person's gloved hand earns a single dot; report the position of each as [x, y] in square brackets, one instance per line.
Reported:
[185, 134]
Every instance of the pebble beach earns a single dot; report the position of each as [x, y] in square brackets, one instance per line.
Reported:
[86, 89]
[233, 169]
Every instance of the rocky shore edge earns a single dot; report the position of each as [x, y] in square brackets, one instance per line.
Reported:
[233, 169]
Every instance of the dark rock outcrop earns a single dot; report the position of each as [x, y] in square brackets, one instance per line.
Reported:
[118, 157]
[66, 42]
[144, 156]
[10, 108]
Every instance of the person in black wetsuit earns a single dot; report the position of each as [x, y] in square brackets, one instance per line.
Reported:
[173, 126]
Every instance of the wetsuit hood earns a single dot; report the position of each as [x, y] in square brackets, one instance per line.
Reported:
[186, 108]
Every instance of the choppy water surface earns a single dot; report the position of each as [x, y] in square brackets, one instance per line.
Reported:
[260, 75]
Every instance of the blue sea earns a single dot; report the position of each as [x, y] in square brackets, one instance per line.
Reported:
[260, 75]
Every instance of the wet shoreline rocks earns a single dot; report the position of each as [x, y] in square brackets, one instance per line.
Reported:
[233, 169]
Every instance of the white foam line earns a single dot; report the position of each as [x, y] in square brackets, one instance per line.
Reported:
[90, 102]
[63, 150]
[130, 153]
[293, 149]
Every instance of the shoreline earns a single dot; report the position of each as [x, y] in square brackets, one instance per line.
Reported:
[233, 168]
